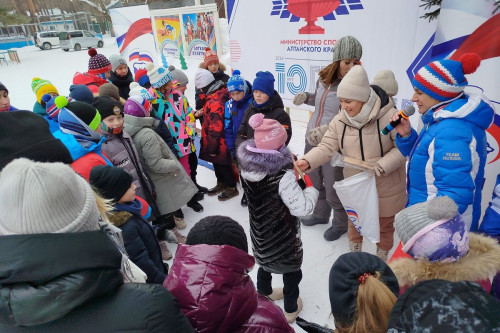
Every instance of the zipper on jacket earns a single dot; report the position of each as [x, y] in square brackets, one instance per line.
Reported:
[380, 139]
[361, 143]
[342, 139]
[321, 105]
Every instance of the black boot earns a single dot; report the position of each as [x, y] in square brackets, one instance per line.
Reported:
[198, 196]
[195, 205]
[179, 213]
[201, 189]
[332, 234]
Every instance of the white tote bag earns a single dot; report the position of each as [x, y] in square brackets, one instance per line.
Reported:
[359, 197]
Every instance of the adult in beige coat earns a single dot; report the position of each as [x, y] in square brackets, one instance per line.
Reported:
[355, 131]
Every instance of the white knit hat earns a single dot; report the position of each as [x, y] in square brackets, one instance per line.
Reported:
[355, 85]
[386, 80]
[203, 78]
[158, 76]
[45, 198]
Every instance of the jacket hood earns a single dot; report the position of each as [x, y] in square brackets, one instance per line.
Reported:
[119, 218]
[261, 164]
[212, 285]
[133, 124]
[475, 108]
[276, 103]
[86, 79]
[482, 261]
[43, 277]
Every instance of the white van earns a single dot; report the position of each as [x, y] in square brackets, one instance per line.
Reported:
[78, 39]
[45, 40]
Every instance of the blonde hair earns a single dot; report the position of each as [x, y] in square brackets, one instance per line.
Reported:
[329, 74]
[373, 307]
[105, 206]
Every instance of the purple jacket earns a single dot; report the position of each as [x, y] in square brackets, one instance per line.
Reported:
[214, 291]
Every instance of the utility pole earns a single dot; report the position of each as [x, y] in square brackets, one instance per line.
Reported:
[32, 9]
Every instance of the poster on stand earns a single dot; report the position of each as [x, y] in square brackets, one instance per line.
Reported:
[199, 33]
[134, 35]
[168, 32]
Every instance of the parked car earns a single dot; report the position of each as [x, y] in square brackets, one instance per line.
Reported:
[78, 39]
[45, 40]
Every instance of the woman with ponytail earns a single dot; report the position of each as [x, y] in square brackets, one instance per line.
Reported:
[363, 290]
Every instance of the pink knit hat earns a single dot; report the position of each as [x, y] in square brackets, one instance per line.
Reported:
[269, 134]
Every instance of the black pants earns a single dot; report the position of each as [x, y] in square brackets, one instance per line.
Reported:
[224, 174]
[290, 287]
[163, 223]
[193, 165]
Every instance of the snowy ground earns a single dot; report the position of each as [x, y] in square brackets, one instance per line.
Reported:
[59, 67]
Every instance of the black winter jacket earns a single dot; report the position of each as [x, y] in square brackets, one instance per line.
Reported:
[72, 283]
[123, 83]
[274, 110]
[141, 245]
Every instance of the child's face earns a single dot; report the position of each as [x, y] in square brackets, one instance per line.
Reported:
[260, 96]
[113, 122]
[129, 196]
[107, 75]
[182, 89]
[237, 95]
[165, 89]
[122, 70]
[213, 67]
[4, 100]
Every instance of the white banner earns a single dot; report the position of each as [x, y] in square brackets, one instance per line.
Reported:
[470, 26]
[134, 35]
[265, 35]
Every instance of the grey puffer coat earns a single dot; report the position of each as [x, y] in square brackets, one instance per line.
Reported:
[174, 188]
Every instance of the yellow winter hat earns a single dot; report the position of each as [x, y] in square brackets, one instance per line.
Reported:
[41, 87]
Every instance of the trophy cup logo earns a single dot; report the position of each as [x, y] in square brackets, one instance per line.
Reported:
[310, 10]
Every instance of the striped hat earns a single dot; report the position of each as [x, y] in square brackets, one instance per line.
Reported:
[444, 79]
[41, 87]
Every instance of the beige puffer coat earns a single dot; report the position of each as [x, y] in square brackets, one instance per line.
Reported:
[367, 147]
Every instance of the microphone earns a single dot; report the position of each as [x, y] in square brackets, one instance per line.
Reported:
[406, 113]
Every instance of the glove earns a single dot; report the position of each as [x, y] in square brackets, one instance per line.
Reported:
[300, 98]
[378, 170]
[316, 134]
[312, 327]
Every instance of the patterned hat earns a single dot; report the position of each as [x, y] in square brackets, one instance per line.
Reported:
[98, 63]
[158, 76]
[347, 47]
[237, 82]
[444, 79]
[420, 225]
[41, 87]
[210, 57]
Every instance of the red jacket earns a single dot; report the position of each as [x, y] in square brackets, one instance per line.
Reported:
[84, 164]
[214, 291]
[213, 144]
[91, 81]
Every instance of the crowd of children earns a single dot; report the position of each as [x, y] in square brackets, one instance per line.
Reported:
[114, 163]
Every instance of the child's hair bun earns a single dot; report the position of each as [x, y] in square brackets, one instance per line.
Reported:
[61, 102]
[92, 52]
[256, 120]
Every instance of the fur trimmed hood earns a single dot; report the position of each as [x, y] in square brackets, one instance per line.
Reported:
[119, 218]
[270, 164]
[482, 261]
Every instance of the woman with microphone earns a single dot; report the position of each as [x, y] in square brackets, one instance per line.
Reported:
[355, 131]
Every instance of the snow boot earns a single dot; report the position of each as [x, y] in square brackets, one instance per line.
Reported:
[228, 193]
[165, 252]
[216, 189]
[195, 205]
[355, 247]
[290, 317]
[382, 254]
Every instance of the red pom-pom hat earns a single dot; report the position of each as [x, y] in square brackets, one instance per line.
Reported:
[98, 63]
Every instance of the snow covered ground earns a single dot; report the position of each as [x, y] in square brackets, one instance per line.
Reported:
[319, 255]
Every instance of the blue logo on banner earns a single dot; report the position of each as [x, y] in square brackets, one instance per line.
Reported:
[296, 70]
